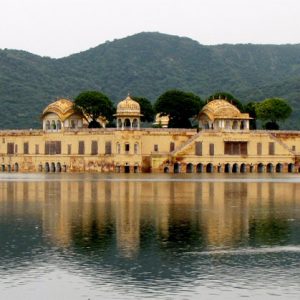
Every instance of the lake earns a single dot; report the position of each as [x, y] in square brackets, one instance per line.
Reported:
[149, 236]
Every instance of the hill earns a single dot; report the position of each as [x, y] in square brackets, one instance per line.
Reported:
[147, 64]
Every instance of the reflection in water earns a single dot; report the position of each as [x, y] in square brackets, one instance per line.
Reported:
[152, 230]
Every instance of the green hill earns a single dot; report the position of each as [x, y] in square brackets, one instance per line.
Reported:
[147, 64]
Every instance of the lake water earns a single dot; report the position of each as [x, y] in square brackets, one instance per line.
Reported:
[147, 236]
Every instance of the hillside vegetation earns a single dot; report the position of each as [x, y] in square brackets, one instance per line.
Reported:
[147, 64]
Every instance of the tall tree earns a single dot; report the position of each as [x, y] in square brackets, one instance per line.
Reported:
[147, 109]
[180, 106]
[93, 104]
[273, 110]
[228, 97]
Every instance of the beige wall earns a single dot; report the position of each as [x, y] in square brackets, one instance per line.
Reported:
[144, 154]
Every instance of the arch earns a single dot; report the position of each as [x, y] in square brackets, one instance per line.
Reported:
[291, 168]
[119, 123]
[127, 123]
[48, 125]
[176, 168]
[58, 125]
[243, 168]
[227, 168]
[189, 168]
[47, 167]
[219, 168]
[136, 168]
[166, 170]
[40, 167]
[64, 168]
[279, 168]
[52, 167]
[242, 125]
[227, 124]
[58, 167]
[199, 168]
[235, 168]
[53, 125]
[3, 167]
[270, 168]
[8, 168]
[73, 124]
[260, 168]
[209, 168]
[235, 124]
[126, 168]
[16, 167]
[135, 123]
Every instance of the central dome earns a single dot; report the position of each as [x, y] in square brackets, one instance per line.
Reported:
[128, 107]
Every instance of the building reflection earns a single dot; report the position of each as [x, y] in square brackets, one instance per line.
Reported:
[205, 214]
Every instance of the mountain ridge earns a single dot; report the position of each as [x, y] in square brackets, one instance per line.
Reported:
[147, 64]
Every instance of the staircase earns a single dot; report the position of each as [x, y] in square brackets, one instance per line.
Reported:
[186, 144]
[273, 137]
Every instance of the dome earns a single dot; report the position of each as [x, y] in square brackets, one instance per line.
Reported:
[128, 107]
[62, 107]
[222, 109]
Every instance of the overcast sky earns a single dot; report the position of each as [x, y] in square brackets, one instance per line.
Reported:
[59, 28]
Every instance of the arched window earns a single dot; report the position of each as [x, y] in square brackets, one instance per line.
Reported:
[199, 168]
[279, 168]
[227, 168]
[260, 168]
[243, 168]
[209, 168]
[189, 168]
[58, 125]
[176, 168]
[235, 168]
[270, 168]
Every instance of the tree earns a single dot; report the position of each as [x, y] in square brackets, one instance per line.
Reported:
[250, 109]
[273, 110]
[228, 97]
[92, 105]
[180, 106]
[147, 109]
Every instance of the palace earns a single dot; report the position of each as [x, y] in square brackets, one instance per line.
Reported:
[223, 143]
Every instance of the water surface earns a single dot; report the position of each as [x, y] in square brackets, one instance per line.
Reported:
[133, 236]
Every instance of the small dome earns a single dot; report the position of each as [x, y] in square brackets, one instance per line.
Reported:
[128, 107]
[62, 107]
[222, 109]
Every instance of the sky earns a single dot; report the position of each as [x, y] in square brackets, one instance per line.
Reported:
[58, 28]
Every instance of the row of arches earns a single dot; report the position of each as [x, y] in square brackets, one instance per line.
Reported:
[234, 168]
[10, 167]
[127, 168]
[128, 123]
[53, 167]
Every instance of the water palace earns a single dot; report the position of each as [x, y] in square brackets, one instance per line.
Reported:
[224, 144]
